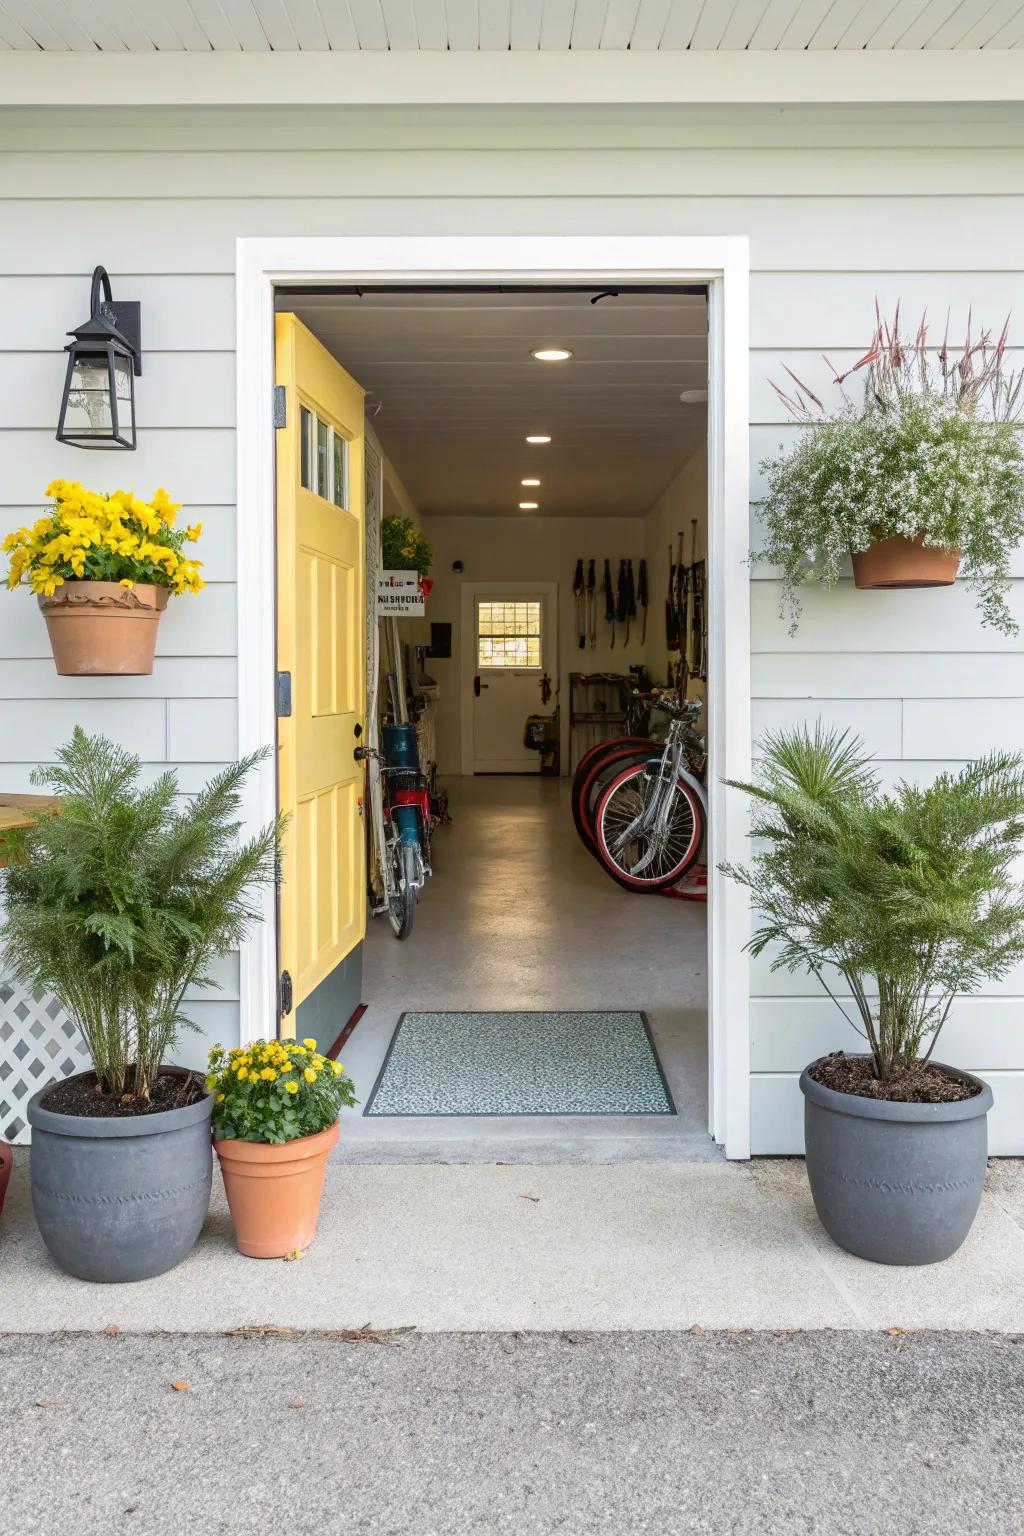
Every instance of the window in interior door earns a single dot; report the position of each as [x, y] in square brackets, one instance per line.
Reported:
[323, 458]
[508, 635]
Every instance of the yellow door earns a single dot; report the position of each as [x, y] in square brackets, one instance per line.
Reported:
[320, 639]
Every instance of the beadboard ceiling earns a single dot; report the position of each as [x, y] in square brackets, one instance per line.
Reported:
[470, 25]
[453, 392]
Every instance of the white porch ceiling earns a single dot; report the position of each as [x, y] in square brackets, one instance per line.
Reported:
[453, 392]
[260, 26]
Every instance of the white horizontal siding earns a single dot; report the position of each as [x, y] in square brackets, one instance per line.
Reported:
[181, 312]
[178, 389]
[950, 675]
[894, 126]
[767, 983]
[173, 677]
[419, 172]
[801, 311]
[788, 1032]
[819, 233]
[845, 620]
[922, 205]
[200, 463]
[777, 1114]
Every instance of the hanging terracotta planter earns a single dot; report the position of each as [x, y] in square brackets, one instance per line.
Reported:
[903, 562]
[101, 629]
[274, 1191]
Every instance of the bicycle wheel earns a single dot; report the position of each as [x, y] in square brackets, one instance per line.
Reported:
[640, 861]
[402, 906]
[588, 767]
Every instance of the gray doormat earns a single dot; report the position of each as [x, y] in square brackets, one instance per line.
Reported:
[521, 1064]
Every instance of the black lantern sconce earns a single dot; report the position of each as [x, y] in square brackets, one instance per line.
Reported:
[98, 408]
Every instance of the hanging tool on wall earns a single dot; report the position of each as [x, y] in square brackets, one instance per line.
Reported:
[621, 599]
[592, 604]
[630, 598]
[671, 616]
[641, 597]
[682, 618]
[580, 594]
[698, 637]
[609, 600]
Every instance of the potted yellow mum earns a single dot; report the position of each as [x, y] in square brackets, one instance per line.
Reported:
[275, 1120]
[103, 568]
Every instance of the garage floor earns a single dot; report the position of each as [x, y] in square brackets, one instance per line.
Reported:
[518, 916]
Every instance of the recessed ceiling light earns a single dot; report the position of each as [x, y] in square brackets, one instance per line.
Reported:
[527, 506]
[538, 437]
[552, 354]
[529, 482]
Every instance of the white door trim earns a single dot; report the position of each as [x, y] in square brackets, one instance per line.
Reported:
[548, 591]
[722, 262]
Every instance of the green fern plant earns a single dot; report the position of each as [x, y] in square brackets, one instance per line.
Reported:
[903, 900]
[119, 904]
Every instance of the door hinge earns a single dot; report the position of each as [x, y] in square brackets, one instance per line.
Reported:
[283, 695]
[280, 406]
[285, 994]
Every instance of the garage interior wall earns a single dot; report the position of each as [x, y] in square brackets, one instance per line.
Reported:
[525, 549]
[841, 205]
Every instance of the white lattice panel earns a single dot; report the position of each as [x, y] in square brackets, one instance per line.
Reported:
[38, 1042]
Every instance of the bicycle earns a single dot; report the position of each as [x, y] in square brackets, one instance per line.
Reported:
[597, 767]
[400, 806]
[651, 818]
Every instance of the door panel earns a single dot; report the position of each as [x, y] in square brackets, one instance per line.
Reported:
[320, 639]
[505, 626]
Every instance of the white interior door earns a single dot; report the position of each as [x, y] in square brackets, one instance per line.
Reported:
[512, 640]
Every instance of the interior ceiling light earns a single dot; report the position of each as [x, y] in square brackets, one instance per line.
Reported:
[693, 396]
[527, 506]
[529, 482]
[538, 437]
[552, 354]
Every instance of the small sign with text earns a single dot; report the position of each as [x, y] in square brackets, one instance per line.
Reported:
[399, 595]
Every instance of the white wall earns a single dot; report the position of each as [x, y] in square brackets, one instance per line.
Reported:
[840, 205]
[527, 549]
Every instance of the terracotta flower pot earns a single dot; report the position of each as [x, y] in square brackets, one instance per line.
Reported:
[6, 1164]
[101, 629]
[274, 1191]
[902, 562]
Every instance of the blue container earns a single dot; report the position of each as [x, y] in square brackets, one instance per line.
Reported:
[400, 747]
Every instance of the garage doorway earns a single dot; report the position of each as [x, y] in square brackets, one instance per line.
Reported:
[262, 269]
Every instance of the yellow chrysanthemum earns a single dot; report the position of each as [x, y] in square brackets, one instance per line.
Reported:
[309, 1075]
[310, 1044]
[292, 1087]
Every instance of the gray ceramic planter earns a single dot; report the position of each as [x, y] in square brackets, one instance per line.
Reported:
[896, 1183]
[120, 1199]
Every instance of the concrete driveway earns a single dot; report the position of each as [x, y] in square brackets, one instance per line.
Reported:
[624, 1434]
